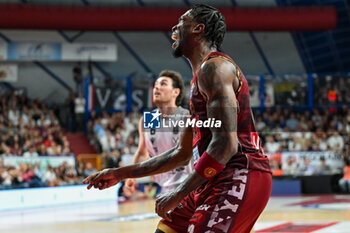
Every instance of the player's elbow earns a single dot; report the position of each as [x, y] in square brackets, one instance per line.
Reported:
[186, 160]
[184, 155]
[231, 144]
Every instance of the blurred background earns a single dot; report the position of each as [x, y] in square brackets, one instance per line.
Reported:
[76, 75]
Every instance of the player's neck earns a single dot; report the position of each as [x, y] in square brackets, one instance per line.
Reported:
[167, 108]
[197, 56]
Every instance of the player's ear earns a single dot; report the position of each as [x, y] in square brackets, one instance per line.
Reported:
[176, 91]
[198, 29]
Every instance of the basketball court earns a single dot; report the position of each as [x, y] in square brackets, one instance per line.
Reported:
[321, 214]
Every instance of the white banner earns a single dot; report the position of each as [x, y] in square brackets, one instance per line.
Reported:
[89, 51]
[269, 100]
[8, 73]
[332, 159]
[54, 161]
[254, 96]
[3, 51]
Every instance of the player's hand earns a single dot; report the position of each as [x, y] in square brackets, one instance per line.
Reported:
[103, 179]
[129, 187]
[165, 203]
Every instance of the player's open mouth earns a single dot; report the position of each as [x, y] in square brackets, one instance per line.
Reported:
[174, 37]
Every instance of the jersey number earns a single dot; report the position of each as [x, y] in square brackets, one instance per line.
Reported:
[255, 140]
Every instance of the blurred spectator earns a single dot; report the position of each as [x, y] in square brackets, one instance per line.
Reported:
[78, 77]
[49, 177]
[306, 169]
[89, 169]
[271, 145]
[130, 146]
[275, 168]
[99, 129]
[70, 110]
[108, 142]
[31, 152]
[335, 142]
[289, 167]
[292, 122]
[37, 170]
[323, 168]
[344, 182]
[71, 175]
[80, 170]
[114, 159]
[79, 111]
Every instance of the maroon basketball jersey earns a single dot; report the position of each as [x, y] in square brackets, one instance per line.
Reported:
[250, 154]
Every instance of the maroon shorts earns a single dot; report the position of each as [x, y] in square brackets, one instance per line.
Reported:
[231, 202]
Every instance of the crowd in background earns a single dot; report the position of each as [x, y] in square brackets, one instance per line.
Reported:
[331, 90]
[291, 130]
[114, 136]
[287, 130]
[29, 128]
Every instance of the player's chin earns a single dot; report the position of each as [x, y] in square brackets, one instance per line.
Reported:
[177, 52]
[157, 100]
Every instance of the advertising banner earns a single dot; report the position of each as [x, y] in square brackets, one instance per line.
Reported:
[332, 159]
[89, 51]
[115, 98]
[54, 161]
[34, 51]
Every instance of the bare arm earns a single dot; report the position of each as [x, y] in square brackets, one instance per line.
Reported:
[141, 154]
[177, 156]
[171, 159]
[216, 80]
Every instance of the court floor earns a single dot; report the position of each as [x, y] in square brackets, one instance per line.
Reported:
[319, 214]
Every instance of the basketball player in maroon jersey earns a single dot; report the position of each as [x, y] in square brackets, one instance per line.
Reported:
[231, 183]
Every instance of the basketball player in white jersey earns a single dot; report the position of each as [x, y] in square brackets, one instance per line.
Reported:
[167, 95]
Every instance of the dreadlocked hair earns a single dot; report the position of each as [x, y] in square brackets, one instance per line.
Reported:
[214, 21]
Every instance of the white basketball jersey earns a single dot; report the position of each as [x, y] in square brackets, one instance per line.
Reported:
[160, 140]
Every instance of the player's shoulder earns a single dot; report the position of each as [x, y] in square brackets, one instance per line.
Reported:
[182, 110]
[215, 65]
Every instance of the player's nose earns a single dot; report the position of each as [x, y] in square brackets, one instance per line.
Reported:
[156, 86]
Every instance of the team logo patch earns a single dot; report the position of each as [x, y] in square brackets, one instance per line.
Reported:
[209, 172]
[151, 120]
[196, 217]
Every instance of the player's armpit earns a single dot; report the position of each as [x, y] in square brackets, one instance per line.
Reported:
[215, 80]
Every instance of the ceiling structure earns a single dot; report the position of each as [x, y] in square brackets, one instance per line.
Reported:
[256, 52]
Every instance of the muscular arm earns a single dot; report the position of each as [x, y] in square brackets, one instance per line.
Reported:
[216, 81]
[171, 159]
